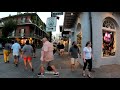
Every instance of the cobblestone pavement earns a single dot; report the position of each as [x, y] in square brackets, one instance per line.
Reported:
[8, 70]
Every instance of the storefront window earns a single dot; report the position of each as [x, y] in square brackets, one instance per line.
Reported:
[108, 45]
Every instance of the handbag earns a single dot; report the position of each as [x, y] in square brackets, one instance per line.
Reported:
[49, 68]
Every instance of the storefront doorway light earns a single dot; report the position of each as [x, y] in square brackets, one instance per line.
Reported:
[71, 14]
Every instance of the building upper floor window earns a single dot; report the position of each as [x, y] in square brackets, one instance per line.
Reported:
[1, 24]
[23, 19]
[29, 21]
[22, 32]
[13, 33]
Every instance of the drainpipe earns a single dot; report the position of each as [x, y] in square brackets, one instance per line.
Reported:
[90, 19]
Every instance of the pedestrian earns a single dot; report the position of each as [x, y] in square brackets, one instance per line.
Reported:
[6, 51]
[16, 52]
[34, 50]
[27, 52]
[61, 47]
[74, 51]
[47, 57]
[87, 58]
[55, 49]
[58, 48]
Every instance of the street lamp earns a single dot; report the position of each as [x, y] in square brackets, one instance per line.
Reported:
[71, 14]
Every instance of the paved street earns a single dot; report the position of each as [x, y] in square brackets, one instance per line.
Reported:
[8, 70]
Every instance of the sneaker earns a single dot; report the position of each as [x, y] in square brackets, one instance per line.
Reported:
[40, 74]
[16, 65]
[32, 70]
[56, 74]
[7, 61]
[83, 74]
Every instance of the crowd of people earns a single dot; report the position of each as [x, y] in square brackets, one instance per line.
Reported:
[28, 51]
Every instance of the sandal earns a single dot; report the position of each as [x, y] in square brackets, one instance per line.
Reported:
[89, 76]
[83, 74]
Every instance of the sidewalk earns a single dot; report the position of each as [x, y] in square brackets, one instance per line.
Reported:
[8, 70]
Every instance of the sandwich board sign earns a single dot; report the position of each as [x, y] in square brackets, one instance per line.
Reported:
[51, 24]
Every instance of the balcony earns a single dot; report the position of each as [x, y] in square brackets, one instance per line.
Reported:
[24, 36]
[69, 19]
[24, 21]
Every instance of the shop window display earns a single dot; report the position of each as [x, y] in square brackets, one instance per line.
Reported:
[108, 46]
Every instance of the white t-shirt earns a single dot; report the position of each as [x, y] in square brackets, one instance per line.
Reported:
[87, 52]
[16, 47]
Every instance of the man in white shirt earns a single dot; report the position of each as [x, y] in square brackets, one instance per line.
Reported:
[16, 52]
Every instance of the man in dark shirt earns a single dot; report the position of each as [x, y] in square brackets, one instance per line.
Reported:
[74, 51]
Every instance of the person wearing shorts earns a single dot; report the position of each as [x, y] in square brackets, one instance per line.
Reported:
[47, 57]
[16, 52]
[45, 64]
[61, 49]
[27, 52]
[74, 51]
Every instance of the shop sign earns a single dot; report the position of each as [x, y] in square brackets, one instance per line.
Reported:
[51, 24]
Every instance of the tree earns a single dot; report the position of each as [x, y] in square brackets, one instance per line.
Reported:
[8, 28]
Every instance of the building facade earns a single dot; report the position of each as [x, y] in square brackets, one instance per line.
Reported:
[102, 29]
[29, 27]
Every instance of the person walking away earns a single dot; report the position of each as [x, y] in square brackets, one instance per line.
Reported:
[27, 52]
[74, 51]
[34, 50]
[61, 49]
[16, 52]
[6, 52]
[47, 57]
[58, 48]
[87, 58]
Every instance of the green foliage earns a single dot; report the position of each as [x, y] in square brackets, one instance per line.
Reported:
[8, 27]
[33, 19]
